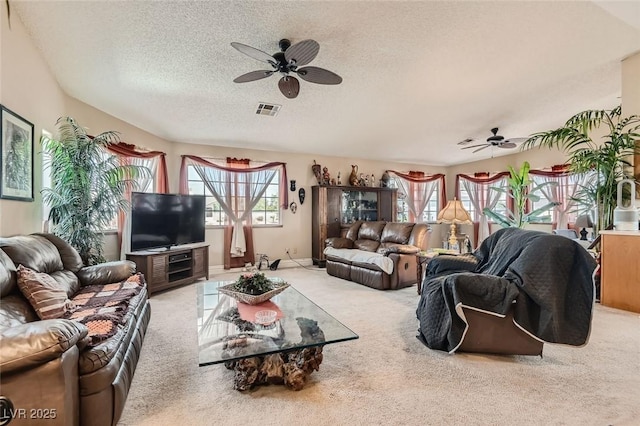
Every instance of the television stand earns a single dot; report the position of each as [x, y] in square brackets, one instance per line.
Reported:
[173, 267]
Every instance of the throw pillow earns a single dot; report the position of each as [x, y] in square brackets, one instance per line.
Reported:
[45, 295]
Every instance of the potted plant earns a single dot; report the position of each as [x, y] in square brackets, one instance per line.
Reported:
[87, 186]
[607, 158]
[520, 190]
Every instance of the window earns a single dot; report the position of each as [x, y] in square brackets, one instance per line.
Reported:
[424, 194]
[429, 214]
[483, 194]
[265, 213]
[564, 189]
[465, 199]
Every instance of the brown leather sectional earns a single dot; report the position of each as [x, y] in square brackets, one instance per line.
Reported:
[398, 241]
[45, 364]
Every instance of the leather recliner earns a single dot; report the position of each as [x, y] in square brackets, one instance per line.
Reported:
[45, 364]
[353, 257]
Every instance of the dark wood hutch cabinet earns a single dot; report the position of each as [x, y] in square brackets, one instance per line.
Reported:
[335, 208]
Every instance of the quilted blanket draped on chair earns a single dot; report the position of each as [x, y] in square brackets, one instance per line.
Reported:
[547, 281]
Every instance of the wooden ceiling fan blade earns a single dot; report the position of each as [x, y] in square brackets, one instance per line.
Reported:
[319, 75]
[289, 86]
[507, 145]
[252, 76]
[480, 149]
[303, 52]
[253, 52]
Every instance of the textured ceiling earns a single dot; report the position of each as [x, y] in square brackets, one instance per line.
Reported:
[418, 76]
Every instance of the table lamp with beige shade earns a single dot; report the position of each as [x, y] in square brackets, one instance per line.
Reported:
[453, 213]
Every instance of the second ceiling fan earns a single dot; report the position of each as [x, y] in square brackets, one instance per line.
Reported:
[288, 61]
[494, 140]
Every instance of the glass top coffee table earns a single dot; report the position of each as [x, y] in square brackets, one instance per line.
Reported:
[284, 351]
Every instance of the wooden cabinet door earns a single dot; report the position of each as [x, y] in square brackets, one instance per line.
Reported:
[199, 262]
[157, 273]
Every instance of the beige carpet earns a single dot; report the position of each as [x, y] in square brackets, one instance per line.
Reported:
[387, 377]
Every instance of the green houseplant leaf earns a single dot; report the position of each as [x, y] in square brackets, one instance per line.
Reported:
[87, 186]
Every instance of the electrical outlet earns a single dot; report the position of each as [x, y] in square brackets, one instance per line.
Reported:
[295, 250]
[286, 250]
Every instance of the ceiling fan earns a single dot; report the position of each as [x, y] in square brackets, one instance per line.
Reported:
[495, 140]
[286, 62]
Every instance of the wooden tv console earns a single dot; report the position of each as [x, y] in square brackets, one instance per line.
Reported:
[172, 268]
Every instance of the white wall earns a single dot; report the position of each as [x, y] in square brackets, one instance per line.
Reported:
[28, 88]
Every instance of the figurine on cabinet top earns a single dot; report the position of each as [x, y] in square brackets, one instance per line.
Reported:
[326, 178]
[353, 177]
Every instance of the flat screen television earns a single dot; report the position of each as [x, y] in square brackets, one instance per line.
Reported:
[165, 220]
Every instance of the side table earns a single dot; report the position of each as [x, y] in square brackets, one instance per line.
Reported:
[423, 258]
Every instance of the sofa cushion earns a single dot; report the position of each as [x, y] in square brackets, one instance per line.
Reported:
[7, 274]
[396, 232]
[44, 294]
[38, 253]
[352, 233]
[33, 251]
[371, 231]
[367, 245]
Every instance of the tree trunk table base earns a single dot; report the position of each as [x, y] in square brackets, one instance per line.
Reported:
[290, 368]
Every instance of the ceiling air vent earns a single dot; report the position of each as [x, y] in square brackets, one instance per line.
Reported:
[268, 109]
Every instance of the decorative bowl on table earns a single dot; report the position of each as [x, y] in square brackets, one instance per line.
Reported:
[266, 316]
[253, 288]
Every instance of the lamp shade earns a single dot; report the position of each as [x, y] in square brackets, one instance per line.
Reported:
[454, 212]
[584, 221]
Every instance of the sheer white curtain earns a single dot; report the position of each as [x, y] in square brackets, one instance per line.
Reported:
[562, 190]
[145, 184]
[417, 194]
[237, 192]
[482, 195]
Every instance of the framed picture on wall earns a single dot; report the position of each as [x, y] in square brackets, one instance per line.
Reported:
[16, 157]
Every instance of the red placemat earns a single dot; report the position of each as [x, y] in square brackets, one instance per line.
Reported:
[248, 312]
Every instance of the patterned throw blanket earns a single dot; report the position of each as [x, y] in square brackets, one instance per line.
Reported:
[102, 308]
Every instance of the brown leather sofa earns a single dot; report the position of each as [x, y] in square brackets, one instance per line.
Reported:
[378, 254]
[47, 365]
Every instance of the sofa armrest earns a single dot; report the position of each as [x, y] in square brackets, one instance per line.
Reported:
[401, 249]
[106, 273]
[446, 263]
[34, 343]
[339, 242]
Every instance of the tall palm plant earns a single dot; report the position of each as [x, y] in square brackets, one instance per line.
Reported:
[608, 158]
[88, 186]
